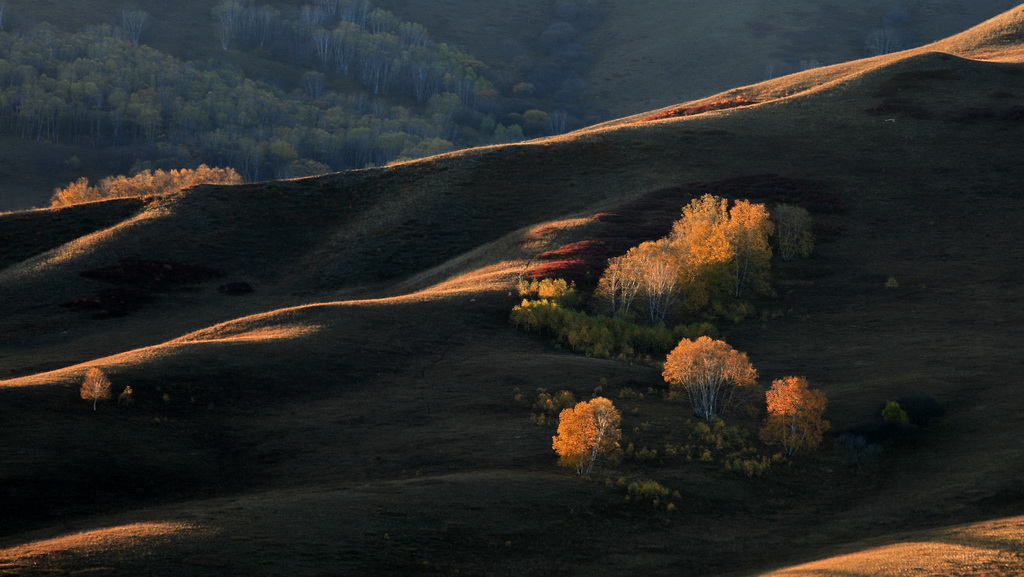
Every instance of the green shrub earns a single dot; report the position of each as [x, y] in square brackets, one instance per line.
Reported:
[731, 447]
[547, 406]
[653, 492]
[597, 335]
[555, 290]
[894, 412]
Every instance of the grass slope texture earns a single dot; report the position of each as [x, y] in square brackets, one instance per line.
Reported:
[323, 373]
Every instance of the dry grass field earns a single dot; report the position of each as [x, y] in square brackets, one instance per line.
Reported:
[355, 413]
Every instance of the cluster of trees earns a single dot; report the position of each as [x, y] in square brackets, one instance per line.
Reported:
[892, 36]
[95, 89]
[370, 89]
[562, 58]
[715, 258]
[147, 182]
[715, 252]
[400, 95]
[709, 373]
[352, 38]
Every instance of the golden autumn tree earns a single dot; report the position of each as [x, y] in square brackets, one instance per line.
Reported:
[585, 432]
[748, 230]
[708, 371]
[795, 412]
[702, 249]
[95, 387]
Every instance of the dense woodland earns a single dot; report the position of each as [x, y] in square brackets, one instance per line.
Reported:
[371, 89]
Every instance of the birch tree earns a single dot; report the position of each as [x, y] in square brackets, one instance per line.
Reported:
[794, 415]
[748, 229]
[133, 21]
[707, 371]
[585, 432]
[95, 387]
[794, 236]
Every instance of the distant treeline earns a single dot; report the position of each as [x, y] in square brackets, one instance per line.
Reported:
[376, 89]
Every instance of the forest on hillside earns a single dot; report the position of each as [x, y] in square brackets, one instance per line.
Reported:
[361, 87]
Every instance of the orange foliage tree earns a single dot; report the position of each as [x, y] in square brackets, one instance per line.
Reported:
[794, 415]
[708, 371]
[586, 431]
[95, 387]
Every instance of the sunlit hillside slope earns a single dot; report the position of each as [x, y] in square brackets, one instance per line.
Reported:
[354, 413]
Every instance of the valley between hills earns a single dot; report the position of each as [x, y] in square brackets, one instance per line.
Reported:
[355, 412]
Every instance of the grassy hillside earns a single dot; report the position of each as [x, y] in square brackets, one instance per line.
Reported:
[355, 413]
[577, 62]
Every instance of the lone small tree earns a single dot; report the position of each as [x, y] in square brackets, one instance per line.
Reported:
[894, 412]
[95, 387]
[794, 415]
[794, 236]
[708, 371]
[586, 431]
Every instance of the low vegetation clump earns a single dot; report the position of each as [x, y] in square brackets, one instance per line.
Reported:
[720, 104]
[653, 492]
[547, 406]
[730, 447]
[601, 336]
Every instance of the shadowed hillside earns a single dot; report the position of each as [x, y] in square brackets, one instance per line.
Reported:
[285, 88]
[355, 413]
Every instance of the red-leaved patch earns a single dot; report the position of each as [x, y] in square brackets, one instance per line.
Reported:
[722, 104]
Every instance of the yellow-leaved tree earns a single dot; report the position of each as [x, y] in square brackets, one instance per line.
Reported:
[713, 251]
[795, 420]
[708, 371]
[703, 249]
[748, 229]
[585, 432]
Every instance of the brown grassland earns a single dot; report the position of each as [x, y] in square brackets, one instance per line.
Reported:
[354, 414]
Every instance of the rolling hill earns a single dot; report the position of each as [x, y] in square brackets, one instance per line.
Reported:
[355, 413]
[582, 61]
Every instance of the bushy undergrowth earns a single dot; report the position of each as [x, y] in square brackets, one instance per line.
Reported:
[644, 490]
[729, 446]
[602, 336]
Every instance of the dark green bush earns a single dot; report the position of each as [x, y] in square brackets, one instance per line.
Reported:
[601, 336]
